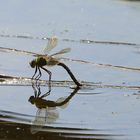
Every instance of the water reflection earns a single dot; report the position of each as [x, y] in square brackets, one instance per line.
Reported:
[47, 112]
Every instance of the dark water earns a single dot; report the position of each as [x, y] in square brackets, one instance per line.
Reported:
[104, 38]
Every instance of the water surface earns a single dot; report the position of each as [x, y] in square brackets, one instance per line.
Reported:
[104, 38]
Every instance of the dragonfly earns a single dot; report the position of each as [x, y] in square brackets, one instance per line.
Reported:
[45, 59]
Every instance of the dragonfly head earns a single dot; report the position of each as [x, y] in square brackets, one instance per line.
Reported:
[32, 100]
[33, 63]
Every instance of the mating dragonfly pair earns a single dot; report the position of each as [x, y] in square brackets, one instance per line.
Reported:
[50, 60]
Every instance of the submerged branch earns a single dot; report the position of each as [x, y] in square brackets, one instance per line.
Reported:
[6, 80]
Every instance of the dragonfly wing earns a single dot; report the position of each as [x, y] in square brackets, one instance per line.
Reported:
[41, 116]
[52, 42]
[63, 51]
[39, 55]
[39, 121]
[53, 115]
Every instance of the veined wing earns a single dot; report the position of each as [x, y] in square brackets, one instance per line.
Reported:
[41, 116]
[52, 42]
[66, 50]
[40, 120]
[52, 116]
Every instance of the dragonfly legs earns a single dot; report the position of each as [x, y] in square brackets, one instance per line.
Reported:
[36, 88]
[39, 75]
[50, 75]
[37, 93]
[35, 72]
[37, 69]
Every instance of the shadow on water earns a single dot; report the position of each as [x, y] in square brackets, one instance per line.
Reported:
[15, 125]
[47, 113]
[15, 131]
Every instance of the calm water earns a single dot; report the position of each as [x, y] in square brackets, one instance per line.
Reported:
[104, 38]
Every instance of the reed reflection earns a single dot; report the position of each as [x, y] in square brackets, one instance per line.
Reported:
[47, 112]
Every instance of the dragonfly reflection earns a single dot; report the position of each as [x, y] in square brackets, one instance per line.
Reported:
[50, 60]
[47, 112]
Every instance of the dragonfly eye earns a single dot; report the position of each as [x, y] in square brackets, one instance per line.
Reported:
[33, 63]
[32, 100]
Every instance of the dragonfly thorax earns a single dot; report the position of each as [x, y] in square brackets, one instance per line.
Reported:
[40, 61]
